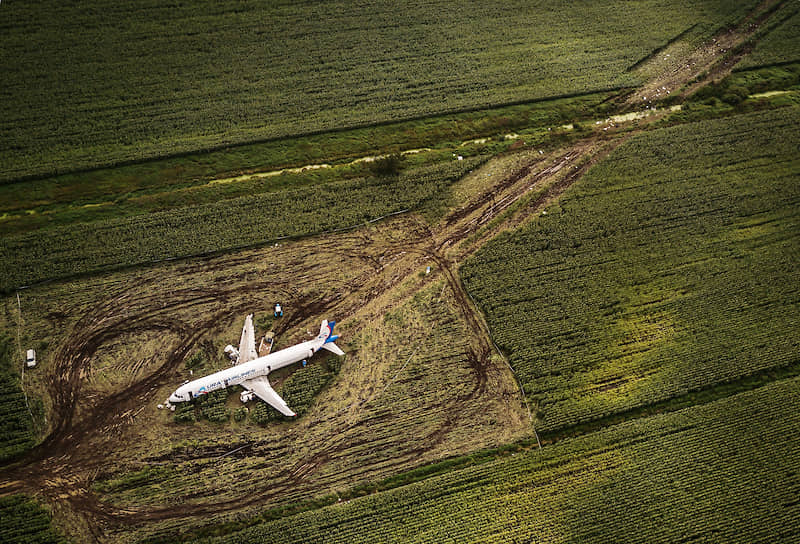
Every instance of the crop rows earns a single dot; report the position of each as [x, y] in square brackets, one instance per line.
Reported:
[229, 224]
[135, 80]
[780, 44]
[16, 424]
[23, 521]
[725, 472]
[670, 267]
[298, 390]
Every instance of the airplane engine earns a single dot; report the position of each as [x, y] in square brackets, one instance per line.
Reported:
[232, 353]
[246, 396]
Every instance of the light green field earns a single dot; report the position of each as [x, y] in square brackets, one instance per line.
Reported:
[669, 267]
[721, 472]
[146, 79]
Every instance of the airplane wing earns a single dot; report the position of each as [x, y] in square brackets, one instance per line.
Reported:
[247, 345]
[263, 390]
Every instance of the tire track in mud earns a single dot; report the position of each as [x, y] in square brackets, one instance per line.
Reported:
[59, 465]
[109, 412]
[111, 320]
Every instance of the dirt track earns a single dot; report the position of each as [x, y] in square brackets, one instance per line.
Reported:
[63, 466]
[371, 265]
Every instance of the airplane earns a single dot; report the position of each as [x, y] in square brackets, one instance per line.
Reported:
[250, 370]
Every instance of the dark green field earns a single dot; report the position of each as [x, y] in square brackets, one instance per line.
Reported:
[87, 85]
[779, 45]
[24, 521]
[670, 267]
[16, 421]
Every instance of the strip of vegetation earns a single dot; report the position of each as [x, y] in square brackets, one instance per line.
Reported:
[669, 267]
[735, 88]
[17, 433]
[151, 475]
[39, 200]
[230, 224]
[741, 92]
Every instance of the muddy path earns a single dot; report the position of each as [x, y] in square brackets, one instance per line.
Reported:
[86, 421]
[383, 259]
[677, 72]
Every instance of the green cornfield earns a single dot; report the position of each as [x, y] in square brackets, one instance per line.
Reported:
[24, 521]
[136, 80]
[669, 267]
[726, 471]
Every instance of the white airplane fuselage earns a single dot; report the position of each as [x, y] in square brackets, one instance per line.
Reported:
[251, 370]
[245, 371]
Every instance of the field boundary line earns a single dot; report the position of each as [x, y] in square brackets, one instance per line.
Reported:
[508, 364]
[208, 254]
[308, 134]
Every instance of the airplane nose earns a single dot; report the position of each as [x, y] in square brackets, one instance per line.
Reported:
[173, 398]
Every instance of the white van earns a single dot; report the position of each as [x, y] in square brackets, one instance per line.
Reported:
[30, 358]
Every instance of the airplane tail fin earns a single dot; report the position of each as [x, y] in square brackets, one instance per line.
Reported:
[326, 334]
[326, 331]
